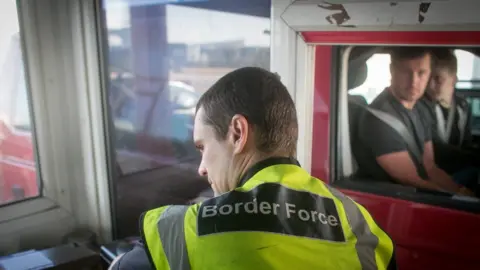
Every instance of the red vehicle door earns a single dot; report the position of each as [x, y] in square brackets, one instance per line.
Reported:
[431, 231]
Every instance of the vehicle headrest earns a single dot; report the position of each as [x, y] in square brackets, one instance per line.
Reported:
[358, 99]
[357, 74]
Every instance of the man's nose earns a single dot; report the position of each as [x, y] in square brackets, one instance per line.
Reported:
[202, 171]
[415, 79]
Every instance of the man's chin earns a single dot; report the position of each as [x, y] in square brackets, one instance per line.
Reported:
[411, 97]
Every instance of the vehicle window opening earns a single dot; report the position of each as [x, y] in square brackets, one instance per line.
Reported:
[367, 76]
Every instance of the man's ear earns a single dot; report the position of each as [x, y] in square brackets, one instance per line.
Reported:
[239, 132]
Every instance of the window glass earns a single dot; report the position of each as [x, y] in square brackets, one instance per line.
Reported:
[183, 96]
[18, 178]
[162, 57]
[21, 114]
[469, 84]
[378, 77]
[468, 66]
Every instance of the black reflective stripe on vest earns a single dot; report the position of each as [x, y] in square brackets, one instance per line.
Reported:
[366, 240]
[272, 208]
[172, 234]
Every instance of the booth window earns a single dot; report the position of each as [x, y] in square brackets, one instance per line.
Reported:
[18, 174]
[161, 58]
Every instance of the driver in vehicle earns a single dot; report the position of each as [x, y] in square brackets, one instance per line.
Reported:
[385, 154]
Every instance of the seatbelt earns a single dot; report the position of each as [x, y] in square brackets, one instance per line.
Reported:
[462, 123]
[399, 127]
[444, 130]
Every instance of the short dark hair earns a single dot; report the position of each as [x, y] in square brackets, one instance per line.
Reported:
[407, 53]
[445, 58]
[262, 99]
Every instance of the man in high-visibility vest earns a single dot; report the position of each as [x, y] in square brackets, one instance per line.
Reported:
[268, 212]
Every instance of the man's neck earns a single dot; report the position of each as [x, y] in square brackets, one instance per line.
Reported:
[405, 103]
[445, 101]
[251, 159]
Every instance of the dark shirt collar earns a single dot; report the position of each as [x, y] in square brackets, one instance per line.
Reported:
[396, 103]
[264, 164]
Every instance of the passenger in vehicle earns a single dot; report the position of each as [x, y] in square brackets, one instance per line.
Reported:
[268, 212]
[451, 117]
[385, 154]
[451, 112]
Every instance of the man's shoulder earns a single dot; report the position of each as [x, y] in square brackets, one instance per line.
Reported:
[461, 101]
[166, 213]
[380, 100]
[426, 103]
[369, 122]
[425, 107]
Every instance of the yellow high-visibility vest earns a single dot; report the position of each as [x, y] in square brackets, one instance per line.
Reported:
[279, 217]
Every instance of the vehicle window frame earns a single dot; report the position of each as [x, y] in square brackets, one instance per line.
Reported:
[338, 159]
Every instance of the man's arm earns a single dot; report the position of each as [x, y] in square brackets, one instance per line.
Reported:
[436, 174]
[391, 153]
[135, 259]
[400, 166]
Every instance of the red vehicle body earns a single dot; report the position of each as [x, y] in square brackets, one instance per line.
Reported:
[426, 236]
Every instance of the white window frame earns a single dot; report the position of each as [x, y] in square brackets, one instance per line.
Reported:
[293, 60]
[63, 72]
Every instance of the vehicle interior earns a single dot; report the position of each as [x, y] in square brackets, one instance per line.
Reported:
[368, 75]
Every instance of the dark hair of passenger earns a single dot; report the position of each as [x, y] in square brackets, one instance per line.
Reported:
[445, 58]
[408, 53]
[262, 99]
